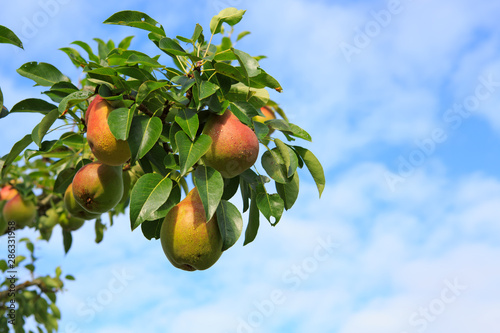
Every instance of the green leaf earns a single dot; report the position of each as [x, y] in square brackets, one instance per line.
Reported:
[289, 157]
[42, 73]
[229, 71]
[230, 223]
[289, 191]
[191, 152]
[261, 130]
[265, 80]
[41, 128]
[247, 62]
[143, 59]
[170, 46]
[55, 311]
[314, 167]
[197, 32]
[242, 34]
[87, 49]
[173, 199]
[16, 150]
[299, 132]
[125, 43]
[74, 56]
[144, 132]
[151, 229]
[137, 20]
[73, 99]
[148, 194]
[70, 277]
[1, 101]
[102, 48]
[271, 205]
[64, 178]
[3, 112]
[120, 121]
[188, 121]
[147, 88]
[230, 16]
[33, 105]
[242, 93]
[136, 73]
[230, 187]
[99, 228]
[273, 163]
[207, 89]
[7, 36]
[210, 187]
[67, 240]
[253, 221]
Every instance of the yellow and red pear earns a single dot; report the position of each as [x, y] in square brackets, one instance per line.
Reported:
[189, 241]
[7, 192]
[268, 115]
[105, 147]
[235, 146]
[98, 187]
[22, 211]
[74, 207]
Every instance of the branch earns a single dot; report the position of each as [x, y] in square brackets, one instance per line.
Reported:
[36, 282]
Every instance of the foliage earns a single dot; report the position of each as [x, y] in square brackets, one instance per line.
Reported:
[161, 104]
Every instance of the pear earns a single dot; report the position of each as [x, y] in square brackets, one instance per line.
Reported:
[74, 207]
[22, 211]
[105, 147]
[71, 223]
[188, 240]
[3, 222]
[98, 187]
[234, 148]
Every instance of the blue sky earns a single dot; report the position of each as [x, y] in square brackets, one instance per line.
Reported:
[402, 100]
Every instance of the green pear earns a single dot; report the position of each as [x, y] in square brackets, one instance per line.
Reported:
[105, 147]
[98, 187]
[235, 146]
[22, 211]
[74, 207]
[71, 223]
[188, 240]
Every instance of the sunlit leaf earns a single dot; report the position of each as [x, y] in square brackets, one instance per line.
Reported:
[210, 187]
[42, 73]
[7, 36]
[137, 20]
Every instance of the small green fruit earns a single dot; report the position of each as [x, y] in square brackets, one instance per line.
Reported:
[71, 223]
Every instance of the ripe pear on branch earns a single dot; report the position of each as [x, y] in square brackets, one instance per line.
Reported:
[98, 187]
[74, 208]
[189, 241]
[235, 146]
[105, 147]
[20, 210]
